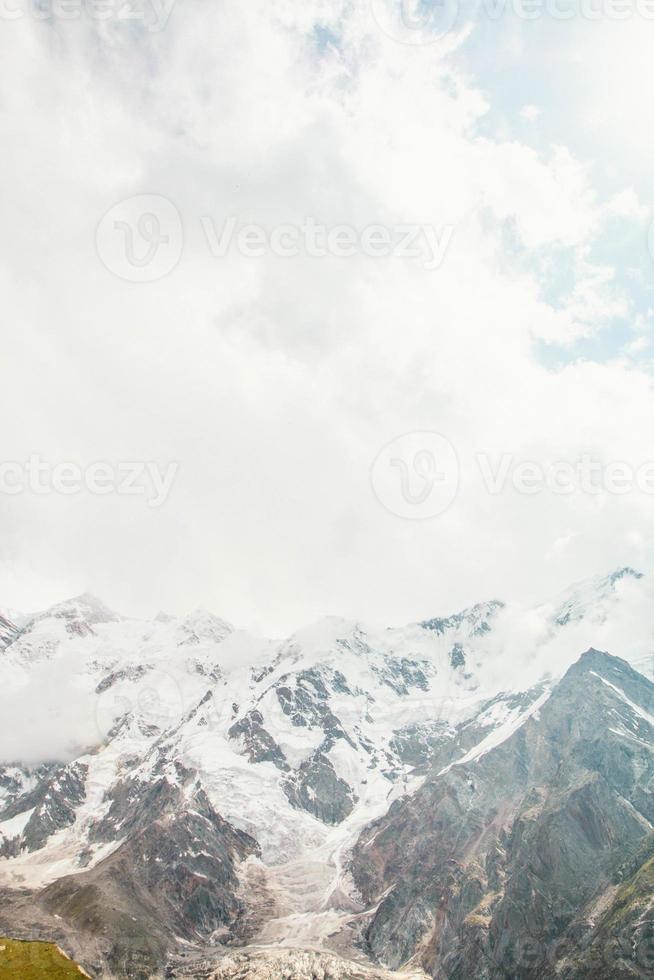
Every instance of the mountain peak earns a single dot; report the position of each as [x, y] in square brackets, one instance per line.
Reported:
[475, 619]
[90, 606]
[585, 596]
[202, 625]
[611, 669]
[592, 658]
[626, 572]
[79, 613]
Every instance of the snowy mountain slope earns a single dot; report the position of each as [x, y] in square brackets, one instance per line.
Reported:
[319, 715]
[298, 744]
[593, 597]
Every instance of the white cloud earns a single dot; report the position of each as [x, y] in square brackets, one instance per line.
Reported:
[530, 112]
[275, 382]
[638, 345]
[625, 204]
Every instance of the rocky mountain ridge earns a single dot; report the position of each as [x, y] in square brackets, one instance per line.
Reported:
[377, 798]
[500, 853]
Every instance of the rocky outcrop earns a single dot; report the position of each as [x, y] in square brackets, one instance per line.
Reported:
[613, 936]
[259, 746]
[174, 878]
[484, 870]
[316, 788]
[17, 781]
[53, 804]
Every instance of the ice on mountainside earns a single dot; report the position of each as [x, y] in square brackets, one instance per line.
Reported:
[298, 745]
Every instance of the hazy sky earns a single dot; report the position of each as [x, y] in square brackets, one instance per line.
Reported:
[273, 382]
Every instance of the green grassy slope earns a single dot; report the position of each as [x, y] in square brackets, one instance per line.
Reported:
[34, 961]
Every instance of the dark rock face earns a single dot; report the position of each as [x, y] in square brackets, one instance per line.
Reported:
[457, 656]
[619, 943]
[174, 877]
[485, 870]
[304, 698]
[134, 673]
[316, 788]
[425, 744]
[16, 781]
[258, 744]
[54, 802]
[402, 674]
[133, 805]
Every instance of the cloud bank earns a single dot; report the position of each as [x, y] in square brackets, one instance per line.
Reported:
[274, 382]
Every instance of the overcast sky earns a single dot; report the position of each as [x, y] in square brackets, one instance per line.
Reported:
[274, 382]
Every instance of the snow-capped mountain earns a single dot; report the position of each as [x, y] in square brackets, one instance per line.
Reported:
[208, 788]
[8, 632]
[513, 859]
[593, 597]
